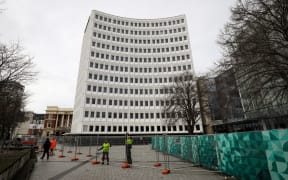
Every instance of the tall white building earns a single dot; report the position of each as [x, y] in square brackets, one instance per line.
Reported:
[125, 65]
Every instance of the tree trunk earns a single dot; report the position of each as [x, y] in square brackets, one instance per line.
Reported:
[190, 129]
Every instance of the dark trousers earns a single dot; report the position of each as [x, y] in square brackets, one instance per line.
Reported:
[51, 151]
[105, 155]
[128, 154]
[46, 151]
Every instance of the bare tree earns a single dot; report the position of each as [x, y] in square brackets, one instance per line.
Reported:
[11, 106]
[15, 69]
[255, 45]
[182, 102]
[15, 66]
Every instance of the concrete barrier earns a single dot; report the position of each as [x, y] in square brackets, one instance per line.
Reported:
[18, 165]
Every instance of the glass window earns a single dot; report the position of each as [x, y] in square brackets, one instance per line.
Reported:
[86, 114]
[103, 114]
[94, 88]
[87, 100]
[85, 128]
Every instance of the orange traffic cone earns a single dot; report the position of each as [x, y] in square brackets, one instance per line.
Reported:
[157, 164]
[165, 171]
[125, 165]
[74, 159]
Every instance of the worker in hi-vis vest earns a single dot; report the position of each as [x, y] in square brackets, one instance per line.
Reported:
[129, 143]
[105, 150]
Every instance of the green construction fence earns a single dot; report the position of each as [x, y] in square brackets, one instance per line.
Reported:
[245, 155]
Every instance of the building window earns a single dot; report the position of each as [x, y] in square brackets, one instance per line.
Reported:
[86, 114]
[89, 88]
[85, 128]
[90, 128]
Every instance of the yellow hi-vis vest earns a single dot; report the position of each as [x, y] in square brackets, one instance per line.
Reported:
[106, 147]
[129, 141]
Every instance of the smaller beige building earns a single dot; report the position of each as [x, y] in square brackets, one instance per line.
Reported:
[57, 121]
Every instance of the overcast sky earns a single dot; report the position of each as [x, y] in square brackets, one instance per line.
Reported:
[51, 31]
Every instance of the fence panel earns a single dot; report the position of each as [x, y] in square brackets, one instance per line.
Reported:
[174, 146]
[195, 149]
[154, 142]
[277, 153]
[162, 144]
[185, 143]
[207, 151]
[243, 155]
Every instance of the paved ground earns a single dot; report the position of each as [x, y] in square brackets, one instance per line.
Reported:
[143, 159]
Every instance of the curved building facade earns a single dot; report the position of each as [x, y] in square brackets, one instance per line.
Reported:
[125, 65]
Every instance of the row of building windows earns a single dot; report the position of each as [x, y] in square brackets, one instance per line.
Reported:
[139, 24]
[139, 50]
[115, 115]
[133, 80]
[140, 41]
[141, 103]
[138, 69]
[140, 59]
[140, 32]
[125, 90]
[92, 128]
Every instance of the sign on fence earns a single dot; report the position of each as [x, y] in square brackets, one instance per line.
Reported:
[177, 140]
